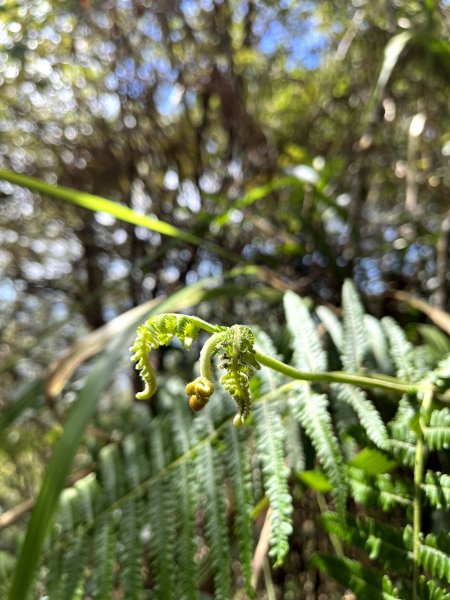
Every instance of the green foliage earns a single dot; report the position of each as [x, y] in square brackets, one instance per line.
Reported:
[355, 343]
[172, 503]
[269, 438]
[158, 331]
[368, 415]
[239, 362]
[437, 434]
[312, 412]
[213, 140]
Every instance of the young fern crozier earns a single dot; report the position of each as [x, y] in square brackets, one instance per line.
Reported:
[237, 358]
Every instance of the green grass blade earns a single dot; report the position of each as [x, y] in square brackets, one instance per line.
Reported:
[123, 213]
[59, 469]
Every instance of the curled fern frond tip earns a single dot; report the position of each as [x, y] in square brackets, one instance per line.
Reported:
[238, 359]
[200, 390]
[159, 330]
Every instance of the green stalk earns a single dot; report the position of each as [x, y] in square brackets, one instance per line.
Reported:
[396, 385]
[207, 353]
[419, 460]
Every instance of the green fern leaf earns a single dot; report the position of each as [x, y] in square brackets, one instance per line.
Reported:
[131, 523]
[83, 502]
[311, 410]
[378, 344]
[111, 472]
[269, 440]
[130, 556]
[434, 553]
[402, 443]
[295, 454]
[437, 489]
[212, 475]
[366, 583]
[159, 330]
[266, 378]
[429, 590]
[104, 553]
[161, 518]
[188, 499]
[355, 344]
[238, 359]
[368, 415]
[437, 434]
[433, 559]
[382, 542]
[441, 374]
[401, 350]
[54, 577]
[75, 557]
[238, 462]
[308, 352]
[332, 325]
[379, 491]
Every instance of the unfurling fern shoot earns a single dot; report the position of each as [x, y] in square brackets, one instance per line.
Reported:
[237, 358]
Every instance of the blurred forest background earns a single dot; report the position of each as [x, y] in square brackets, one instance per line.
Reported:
[308, 141]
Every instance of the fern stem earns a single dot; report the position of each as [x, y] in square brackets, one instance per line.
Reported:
[207, 353]
[393, 384]
[419, 460]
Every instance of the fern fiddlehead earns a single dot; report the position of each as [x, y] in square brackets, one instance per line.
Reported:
[237, 358]
[158, 331]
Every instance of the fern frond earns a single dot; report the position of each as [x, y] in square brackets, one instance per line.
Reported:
[238, 359]
[378, 344]
[161, 516]
[434, 553]
[382, 542]
[238, 463]
[111, 473]
[269, 440]
[308, 352]
[311, 410]
[216, 528]
[67, 576]
[131, 523]
[437, 434]
[187, 502]
[430, 590]
[401, 349]
[378, 491]
[433, 559]
[104, 542]
[441, 374]
[295, 453]
[54, 577]
[159, 330]
[75, 556]
[364, 582]
[402, 443]
[436, 488]
[266, 378]
[367, 413]
[355, 344]
[186, 547]
[332, 325]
